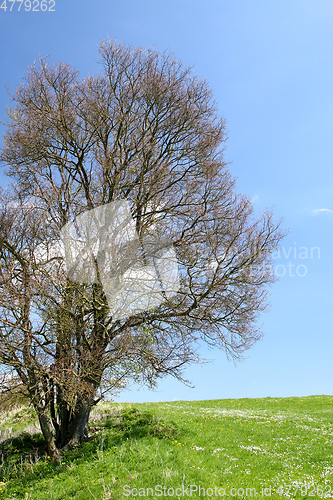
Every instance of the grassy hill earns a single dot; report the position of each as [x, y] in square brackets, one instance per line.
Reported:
[281, 447]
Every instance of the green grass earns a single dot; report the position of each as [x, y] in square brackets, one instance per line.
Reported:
[241, 443]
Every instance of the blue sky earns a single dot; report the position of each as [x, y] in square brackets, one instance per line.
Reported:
[270, 65]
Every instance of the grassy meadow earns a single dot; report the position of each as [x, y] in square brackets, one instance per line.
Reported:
[271, 447]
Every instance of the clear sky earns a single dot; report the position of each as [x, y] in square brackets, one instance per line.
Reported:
[270, 65]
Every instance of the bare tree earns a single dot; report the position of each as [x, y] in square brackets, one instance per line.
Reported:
[145, 132]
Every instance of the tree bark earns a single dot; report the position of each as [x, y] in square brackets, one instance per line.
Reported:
[73, 425]
[78, 428]
[48, 432]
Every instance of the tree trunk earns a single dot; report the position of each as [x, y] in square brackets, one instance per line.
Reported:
[48, 433]
[78, 428]
[72, 428]
[73, 425]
